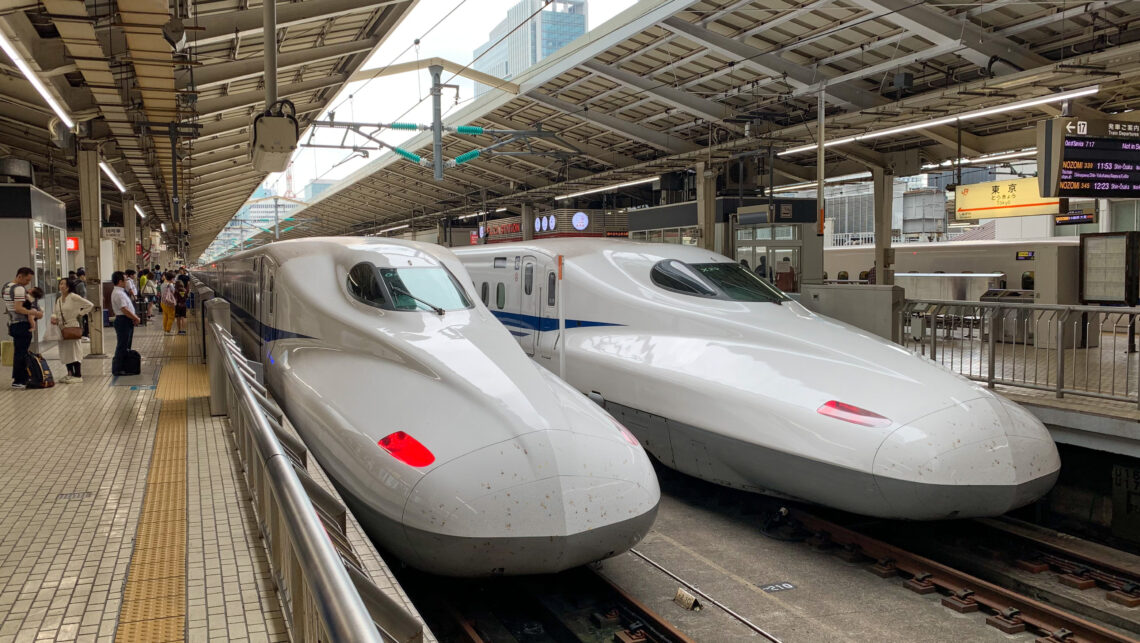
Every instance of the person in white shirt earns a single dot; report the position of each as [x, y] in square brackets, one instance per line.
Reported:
[132, 288]
[125, 317]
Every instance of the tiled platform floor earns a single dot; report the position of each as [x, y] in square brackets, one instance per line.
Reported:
[73, 472]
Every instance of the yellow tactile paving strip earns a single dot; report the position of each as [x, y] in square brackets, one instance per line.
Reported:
[154, 598]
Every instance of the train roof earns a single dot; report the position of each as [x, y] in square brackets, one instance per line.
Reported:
[574, 248]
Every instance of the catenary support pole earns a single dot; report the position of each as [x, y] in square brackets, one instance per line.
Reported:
[269, 37]
[436, 121]
[884, 188]
[820, 202]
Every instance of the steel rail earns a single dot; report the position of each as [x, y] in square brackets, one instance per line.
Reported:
[696, 590]
[659, 622]
[1010, 609]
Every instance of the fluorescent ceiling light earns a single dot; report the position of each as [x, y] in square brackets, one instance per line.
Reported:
[140, 211]
[163, 227]
[811, 184]
[946, 120]
[1005, 156]
[468, 216]
[608, 188]
[501, 210]
[9, 49]
[111, 175]
[393, 229]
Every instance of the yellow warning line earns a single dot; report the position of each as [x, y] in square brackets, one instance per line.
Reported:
[154, 597]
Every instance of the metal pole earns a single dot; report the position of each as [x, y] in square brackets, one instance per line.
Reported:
[276, 222]
[174, 176]
[436, 122]
[819, 167]
[269, 38]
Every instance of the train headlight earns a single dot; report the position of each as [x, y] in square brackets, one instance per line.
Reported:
[406, 449]
[853, 414]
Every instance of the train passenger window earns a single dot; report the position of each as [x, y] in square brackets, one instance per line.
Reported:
[500, 295]
[550, 284]
[528, 279]
[363, 284]
[500, 262]
[485, 294]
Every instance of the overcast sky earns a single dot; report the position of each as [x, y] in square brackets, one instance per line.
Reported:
[390, 98]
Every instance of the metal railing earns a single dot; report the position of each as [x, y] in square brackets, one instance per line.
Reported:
[325, 592]
[1078, 350]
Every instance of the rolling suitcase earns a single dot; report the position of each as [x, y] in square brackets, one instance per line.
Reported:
[131, 364]
[39, 374]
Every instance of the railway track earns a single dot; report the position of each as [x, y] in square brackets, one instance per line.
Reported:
[578, 606]
[1006, 609]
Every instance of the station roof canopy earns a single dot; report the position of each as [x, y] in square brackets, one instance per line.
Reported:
[116, 75]
[669, 83]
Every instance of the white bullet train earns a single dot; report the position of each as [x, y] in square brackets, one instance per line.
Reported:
[725, 378]
[454, 450]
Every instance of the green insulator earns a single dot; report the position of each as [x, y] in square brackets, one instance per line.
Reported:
[469, 156]
[469, 129]
[408, 126]
[414, 158]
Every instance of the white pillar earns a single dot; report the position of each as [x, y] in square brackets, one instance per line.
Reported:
[706, 205]
[90, 206]
[527, 221]
[130, 232]
[1104, 215]
[884, 185]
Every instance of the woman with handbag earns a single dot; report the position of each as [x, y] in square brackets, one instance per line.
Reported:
[68, 310]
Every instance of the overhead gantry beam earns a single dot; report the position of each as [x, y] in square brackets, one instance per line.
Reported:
[448, 66]
[980, 47]
[229, 72]
[253, 99]
[632, 130]
[679, 98]
[796, 75]
[222, 27]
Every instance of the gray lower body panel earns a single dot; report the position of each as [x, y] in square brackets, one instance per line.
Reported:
[449, 555]
[757, 468]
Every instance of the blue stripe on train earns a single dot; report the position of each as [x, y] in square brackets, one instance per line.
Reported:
[541, 324]
[268, 333]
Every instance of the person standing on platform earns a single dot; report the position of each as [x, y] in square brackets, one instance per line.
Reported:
[132, 287]
[125, 318]
[68, 311]
[81, 290]
[167, 301]
[20, 320]
[180, 294]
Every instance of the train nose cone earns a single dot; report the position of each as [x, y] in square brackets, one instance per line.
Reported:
[982, 457]
[531, 505]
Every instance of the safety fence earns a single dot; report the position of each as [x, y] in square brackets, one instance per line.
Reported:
[1078, 350]
[326, 594]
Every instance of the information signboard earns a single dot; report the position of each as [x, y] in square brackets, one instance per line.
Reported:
[1108, 268]
[995, 199]
[1088, 158]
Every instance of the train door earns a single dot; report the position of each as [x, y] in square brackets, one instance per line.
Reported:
[528, 304]
[548, 305]
[268, 300]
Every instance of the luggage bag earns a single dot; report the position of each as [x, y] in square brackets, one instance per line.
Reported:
[39, 373]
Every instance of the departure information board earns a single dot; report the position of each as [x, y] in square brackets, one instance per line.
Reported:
[1100, 168]
[1088, 158]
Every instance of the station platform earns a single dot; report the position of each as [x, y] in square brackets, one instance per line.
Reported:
[123, 511]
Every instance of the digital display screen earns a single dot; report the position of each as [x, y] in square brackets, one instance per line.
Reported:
[1074, 218]
[1026, 255]
[1100, 168]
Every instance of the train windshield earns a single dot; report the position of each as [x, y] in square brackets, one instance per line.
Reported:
[432, 289]
[424, 288]
[715, 281]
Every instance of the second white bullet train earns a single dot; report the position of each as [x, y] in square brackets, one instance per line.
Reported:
[725, 378]
[456, 452]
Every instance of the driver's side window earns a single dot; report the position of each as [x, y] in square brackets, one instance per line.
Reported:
[363, 285]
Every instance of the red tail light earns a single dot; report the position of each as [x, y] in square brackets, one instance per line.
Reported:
[626, 433]
[852, 414]
[406, 449]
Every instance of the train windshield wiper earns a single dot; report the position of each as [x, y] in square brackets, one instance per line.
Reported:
[439, 311]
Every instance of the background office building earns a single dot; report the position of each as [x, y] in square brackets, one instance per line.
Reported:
[555, 26]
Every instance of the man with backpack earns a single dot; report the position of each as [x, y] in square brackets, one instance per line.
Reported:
[20, 321]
